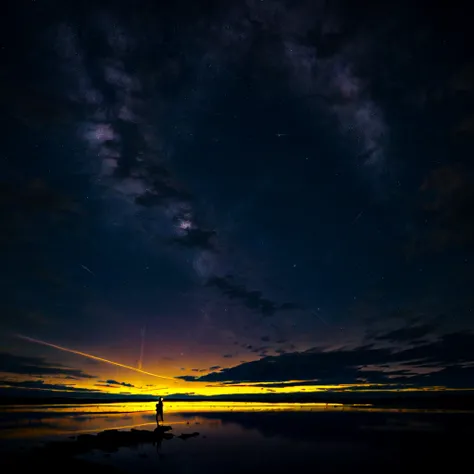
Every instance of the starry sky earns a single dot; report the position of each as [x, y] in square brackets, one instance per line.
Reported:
[250, 196]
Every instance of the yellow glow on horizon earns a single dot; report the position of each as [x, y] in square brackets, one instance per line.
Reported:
[181, 387]
[218, 389]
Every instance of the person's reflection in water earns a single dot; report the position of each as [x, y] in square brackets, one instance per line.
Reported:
[159, 411]
[158, 442]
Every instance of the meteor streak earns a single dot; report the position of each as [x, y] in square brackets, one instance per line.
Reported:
[87, 269]
[315, 313]
[90, 356]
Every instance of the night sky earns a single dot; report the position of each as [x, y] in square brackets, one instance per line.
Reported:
[250, 196]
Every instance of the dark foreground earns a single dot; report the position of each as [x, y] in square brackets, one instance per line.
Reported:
[60, 456]
[327, 441]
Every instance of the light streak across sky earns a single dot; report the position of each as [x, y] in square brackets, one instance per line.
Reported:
[90, 356]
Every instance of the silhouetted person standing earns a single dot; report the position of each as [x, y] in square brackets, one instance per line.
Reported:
[159, 411]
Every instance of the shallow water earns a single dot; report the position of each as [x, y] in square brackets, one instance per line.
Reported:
[251, 437]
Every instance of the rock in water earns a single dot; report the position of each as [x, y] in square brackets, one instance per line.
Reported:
[188, 435]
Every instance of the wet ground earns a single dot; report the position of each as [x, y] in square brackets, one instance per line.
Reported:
[242, 437]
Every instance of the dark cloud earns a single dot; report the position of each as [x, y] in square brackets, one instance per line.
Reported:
[296, 383]
[41, 385]
[14, 364]
[407, 334]
[259, 349]
[451, 355]
[196, 238]
[458, 377]
[215, 367]
[406, 316]
[161, 187]
[265, 339]
[115, 382]
[252, 299]
[227, 356]
[113, 385]
[453, 348]
[163, 195]
[188, 378]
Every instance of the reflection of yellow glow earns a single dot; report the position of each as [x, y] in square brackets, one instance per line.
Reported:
[100, 359]
[110, 409]
[87, 418]
[196, 407]
[78, 419]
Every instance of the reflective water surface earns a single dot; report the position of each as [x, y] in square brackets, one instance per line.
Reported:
[251, 437]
